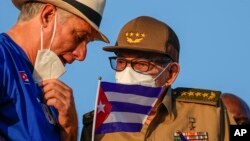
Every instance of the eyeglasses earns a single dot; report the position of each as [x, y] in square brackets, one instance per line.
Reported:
[138, 65]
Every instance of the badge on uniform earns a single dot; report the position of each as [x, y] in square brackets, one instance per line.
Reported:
[190, 136]
[24, 77]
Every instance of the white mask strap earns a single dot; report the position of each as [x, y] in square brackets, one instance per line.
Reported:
[41, 37]
[53, 34]
[161, 72]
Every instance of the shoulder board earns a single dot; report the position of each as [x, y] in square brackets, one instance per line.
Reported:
[194, 95]
[88, 118]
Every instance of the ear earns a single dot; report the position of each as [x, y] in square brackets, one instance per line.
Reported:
[47, 14]
[174, 70]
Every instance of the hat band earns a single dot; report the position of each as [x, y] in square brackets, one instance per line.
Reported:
[88, 12]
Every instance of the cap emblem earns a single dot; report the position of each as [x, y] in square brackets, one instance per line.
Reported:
[134, 37]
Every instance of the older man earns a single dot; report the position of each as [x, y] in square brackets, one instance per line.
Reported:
[147, 53]
[34, 104]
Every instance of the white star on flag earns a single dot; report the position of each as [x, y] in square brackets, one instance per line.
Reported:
[100, 107]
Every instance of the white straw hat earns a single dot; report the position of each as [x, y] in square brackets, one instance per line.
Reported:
[90, 10]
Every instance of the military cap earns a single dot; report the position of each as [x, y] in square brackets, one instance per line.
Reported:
[147, 34]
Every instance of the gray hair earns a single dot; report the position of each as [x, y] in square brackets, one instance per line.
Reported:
[31, 9]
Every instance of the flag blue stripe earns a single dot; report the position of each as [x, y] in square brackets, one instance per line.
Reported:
[129, 107]
[131, 89]
[119, 127]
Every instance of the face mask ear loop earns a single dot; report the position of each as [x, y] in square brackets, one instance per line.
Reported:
[54, 32]
[41, 38]
[161, 72]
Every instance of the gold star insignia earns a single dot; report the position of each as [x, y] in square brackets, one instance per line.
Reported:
[183, 93]
[134, 37]
[198, 94]
[205, 95]
[212, 96]
[190, 93]
[137, 34]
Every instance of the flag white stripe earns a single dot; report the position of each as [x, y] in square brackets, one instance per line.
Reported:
[130, 98]
[125, 117]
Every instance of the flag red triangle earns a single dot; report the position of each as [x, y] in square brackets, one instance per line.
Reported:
[103, 108]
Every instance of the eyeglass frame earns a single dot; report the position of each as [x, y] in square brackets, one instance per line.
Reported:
[149, 62]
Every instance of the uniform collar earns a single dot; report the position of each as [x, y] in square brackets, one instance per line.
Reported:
[167, 102]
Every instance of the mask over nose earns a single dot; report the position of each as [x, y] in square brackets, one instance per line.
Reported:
[47, 65]
[129, 76]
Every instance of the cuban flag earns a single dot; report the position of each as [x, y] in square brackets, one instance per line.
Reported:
[123, 108]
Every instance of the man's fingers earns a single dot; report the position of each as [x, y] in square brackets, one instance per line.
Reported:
[56, 86]
[55, 102]
[56, 96]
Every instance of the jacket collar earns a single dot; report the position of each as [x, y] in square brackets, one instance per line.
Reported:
[167, 102]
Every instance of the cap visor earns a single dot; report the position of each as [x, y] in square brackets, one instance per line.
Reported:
[116, 48]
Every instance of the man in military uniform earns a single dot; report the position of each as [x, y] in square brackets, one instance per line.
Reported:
[147, 53]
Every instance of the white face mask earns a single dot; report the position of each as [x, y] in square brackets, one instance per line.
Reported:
[129, 76]
[47, 65]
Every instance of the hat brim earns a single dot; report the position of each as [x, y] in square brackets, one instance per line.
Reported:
[120, 48]
[60, 3]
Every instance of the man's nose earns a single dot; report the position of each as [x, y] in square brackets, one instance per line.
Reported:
[80, 52]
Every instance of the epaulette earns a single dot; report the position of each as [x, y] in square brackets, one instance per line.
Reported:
[88, 118]
[202, 96]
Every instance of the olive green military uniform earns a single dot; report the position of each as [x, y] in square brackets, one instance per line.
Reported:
[192, 113]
